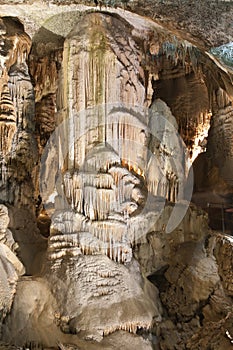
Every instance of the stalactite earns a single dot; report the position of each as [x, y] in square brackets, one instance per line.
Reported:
[108, 145]
[7, 111]
[128, 327]
[83, 243]
[7, 132]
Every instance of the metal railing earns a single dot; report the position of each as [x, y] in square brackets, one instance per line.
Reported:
[223, 207]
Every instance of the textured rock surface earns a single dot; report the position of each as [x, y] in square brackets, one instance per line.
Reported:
[218, 333]
[223, 253]
[103, 286]
[10, 266]
[18, 149]
[94, 174]
[184, 17]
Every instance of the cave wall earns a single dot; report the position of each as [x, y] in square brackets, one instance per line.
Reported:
[18, 147]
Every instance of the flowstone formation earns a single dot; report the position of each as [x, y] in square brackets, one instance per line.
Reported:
[103, 113]
[10, 267]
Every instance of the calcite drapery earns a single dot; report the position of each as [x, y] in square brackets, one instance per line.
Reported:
[105, 151]
[17, 146]
[96, 172]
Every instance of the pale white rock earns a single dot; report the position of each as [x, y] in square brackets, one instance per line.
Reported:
[101, 286]
[10, 266]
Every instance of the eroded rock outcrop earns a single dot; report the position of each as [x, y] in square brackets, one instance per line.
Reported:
[223, 253]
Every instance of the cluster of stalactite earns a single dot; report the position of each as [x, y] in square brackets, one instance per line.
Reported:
[111, 150]
[17, 146]
[221, 128]
[83, 243]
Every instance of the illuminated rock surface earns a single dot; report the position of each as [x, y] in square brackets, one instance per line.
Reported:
[102, 114]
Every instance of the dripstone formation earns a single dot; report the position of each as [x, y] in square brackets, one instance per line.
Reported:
[115, 182]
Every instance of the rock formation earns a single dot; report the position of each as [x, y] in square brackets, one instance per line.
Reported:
[106, 119]
[11, 268]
